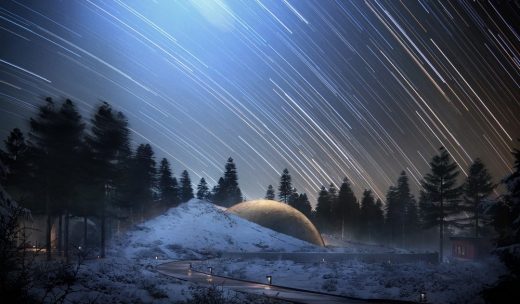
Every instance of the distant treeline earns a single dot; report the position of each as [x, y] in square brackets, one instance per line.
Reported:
[402, 220]
[63, 169]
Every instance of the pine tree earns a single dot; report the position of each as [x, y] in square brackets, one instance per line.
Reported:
[227, 192]
[202, 190]
[399, 210]
[346, 209]
[441, 194]
[269, 195]
[293, 198]
[108, 161]
[477, 187]
[42, 146]
[303, 205]
[365, 215]
[333, 201]
[218, 192]
[143, 177]
[186, 191]
[233, 194]
[57, 139]
[285, 188]
[371, 216]
[379, 220]
[71, 139]
[394, 215]
[404, 198]
[507, 215]
[323, 210]
[506, 219]
[16, 158]
[426, 210]
[412, 223]
[167, 184]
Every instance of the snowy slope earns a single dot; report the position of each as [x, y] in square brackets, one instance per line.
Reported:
[203, 227]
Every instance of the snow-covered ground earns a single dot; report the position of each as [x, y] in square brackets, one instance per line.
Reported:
[195, 229]
[199, 230]
[455, 282]
[109, 280]
[201, 227]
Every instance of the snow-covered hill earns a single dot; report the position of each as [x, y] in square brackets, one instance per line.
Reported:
[201, 227]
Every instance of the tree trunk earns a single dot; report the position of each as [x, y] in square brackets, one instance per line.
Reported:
[476, 215]
[103, 219]
[59, 234]
[66, 237]
[441, 228]
[49, 227]
[85, 227]
[342, 227]
[48, 236]
[103, 233]
[402, 234]
[441, 239]
[441, 233]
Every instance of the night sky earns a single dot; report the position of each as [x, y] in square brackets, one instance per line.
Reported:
[328, 89]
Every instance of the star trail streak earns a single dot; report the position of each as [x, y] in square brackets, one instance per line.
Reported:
[328, 89]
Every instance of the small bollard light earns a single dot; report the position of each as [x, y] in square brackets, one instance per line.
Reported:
[269, 279]
[422, 297]
[210, 270]
[189, 266]
[156, 257]
[79, 247]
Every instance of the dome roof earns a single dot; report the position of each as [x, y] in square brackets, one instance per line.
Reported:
[279, 217]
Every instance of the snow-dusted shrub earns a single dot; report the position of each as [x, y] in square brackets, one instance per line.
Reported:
[175, 247]
[212, 295]
[239, 273]
[330, 285]
[261, 245]
[15, 261]
[152, 286]
[150, 253]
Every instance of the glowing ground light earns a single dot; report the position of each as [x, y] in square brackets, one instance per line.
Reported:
[269, 279]
[422, 297]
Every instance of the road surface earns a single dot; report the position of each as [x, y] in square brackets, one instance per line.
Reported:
[181, 270]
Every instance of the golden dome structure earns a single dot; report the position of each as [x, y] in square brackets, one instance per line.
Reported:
[279, 217]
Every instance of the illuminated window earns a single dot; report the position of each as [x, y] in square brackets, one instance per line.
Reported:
[460, 250]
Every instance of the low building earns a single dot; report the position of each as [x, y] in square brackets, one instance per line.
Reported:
[469, 248]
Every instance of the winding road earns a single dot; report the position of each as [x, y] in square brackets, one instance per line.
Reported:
[181, 270]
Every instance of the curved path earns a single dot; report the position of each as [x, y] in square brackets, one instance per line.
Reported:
[181, 270]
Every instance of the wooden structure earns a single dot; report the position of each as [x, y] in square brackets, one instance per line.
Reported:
[469, 248]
